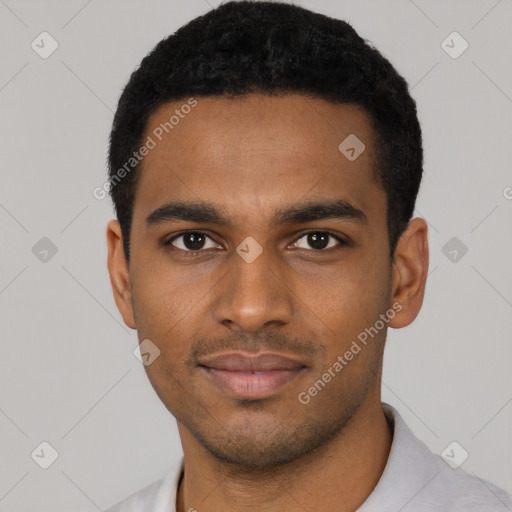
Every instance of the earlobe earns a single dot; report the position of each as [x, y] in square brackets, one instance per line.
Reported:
[410, 269]
[119, 274]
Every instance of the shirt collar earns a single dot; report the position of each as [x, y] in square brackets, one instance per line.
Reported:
[410, 467]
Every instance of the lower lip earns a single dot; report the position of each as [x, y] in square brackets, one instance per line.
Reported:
[252, 385]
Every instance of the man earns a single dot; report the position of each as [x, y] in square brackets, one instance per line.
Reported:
[264, 166]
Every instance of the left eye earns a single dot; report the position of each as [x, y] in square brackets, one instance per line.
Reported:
[318, 240]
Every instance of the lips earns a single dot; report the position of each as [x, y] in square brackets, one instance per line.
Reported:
[245, 362]
[246, 375]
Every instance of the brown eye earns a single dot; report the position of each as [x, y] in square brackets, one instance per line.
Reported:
[318, 240]
[192, 241]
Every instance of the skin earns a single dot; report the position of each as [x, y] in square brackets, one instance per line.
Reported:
[252, 156]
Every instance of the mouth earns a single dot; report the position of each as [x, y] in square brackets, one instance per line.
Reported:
[251, 376]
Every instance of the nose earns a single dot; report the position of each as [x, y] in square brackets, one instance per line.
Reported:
[254, 295]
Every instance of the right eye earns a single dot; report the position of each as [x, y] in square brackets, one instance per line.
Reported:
[191, 242]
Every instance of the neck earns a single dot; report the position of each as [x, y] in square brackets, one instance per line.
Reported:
[339, 477]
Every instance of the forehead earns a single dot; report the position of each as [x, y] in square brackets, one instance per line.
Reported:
[258, 151]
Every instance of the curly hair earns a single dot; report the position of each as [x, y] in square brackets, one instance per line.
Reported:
[274, 48]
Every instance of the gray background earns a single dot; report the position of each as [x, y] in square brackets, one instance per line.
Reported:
[68, 373]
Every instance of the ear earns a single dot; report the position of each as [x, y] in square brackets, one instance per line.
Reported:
[410, 269]
[119, 275]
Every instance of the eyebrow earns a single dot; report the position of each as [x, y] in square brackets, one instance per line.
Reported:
[204, 212]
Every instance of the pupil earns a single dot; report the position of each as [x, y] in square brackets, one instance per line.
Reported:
[194, 241]
[314, 238]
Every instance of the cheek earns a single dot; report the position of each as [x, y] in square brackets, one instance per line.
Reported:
[166, 293]
[349, 291]
[346, 304]
[160, 314]
[161, 317]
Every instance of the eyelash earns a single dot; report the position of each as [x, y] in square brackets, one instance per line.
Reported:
[191, 253]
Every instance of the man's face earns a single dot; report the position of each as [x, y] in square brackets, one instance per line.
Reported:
[306, 296]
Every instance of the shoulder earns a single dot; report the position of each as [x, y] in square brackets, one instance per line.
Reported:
[417, 480]
[457, 491]
[160, 496]
[140, 501]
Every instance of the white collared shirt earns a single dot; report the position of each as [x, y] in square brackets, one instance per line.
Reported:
[414, 480]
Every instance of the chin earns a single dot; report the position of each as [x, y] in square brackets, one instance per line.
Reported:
[266, 446]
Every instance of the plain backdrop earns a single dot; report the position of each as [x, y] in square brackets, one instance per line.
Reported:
[68, 375]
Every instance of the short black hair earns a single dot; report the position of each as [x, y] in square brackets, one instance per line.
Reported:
[273, 48]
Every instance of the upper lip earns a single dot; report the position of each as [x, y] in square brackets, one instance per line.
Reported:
[246, 362]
